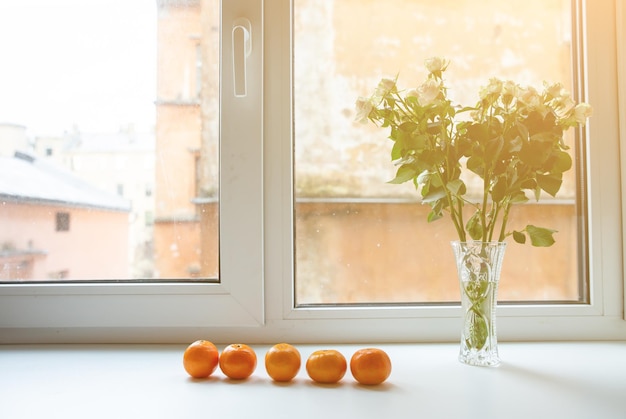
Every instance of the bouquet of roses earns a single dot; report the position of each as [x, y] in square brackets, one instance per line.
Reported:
[512, 138]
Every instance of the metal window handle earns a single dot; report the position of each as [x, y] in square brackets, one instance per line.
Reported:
[242, 48]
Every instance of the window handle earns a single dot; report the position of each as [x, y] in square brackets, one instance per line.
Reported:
[242, 48]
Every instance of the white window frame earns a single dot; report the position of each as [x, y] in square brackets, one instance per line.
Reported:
[254, 301]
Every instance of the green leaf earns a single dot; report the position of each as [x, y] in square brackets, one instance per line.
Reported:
[432, 157]
[563, 162]
[543, 137]
[515, 145]
[466, 109]
[535, 153]
[519, 197]
[436, 181]
[498, 190]
[396, 151]
[404, 174]
[457, 187]
[476, 330]
[529, 184]
[419, 142]
[519, 237]
[539, 236]
[434, 216]
[474, 227]
[523, 130]
[550, 183]
[437, 207]
[423, 177]
[408, 126]
[476, 165]
[537, 193]
[494, 147]
[434, 194]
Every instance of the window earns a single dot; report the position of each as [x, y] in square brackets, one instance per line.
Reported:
[361, 240]
[62, 221]
[254, 298]
[149, 217]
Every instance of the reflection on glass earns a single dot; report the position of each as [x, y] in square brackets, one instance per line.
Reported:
[361, 240]
[108, 140]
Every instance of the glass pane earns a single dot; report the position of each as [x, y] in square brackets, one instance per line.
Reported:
[108, 140]
[187, 117]
[359, 239]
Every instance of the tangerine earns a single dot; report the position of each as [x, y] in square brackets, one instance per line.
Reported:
[326, 366]
[238, 361]
[200, 359]
[282, 362]
[370, 366]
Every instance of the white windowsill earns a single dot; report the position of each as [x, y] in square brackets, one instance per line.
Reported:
[537, 380]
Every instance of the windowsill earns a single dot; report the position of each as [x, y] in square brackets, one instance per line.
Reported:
[568, 380]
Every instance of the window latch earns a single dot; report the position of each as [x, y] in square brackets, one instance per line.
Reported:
[242, 48]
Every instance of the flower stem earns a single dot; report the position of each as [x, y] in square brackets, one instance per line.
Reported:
[505, 219]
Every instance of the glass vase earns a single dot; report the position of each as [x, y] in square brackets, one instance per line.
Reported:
[478, 267]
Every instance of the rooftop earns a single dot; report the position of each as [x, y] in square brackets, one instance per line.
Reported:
[110, 142]
[24, 178]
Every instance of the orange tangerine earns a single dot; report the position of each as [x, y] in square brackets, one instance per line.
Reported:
[282, 362]
[200, 359]
[326, 366]
[370, 366]
[238, 361]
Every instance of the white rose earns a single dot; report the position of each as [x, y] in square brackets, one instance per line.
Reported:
[436, 64]
[509, 88]
[428, 92]
[384, 87]
[582, 111]
[493, 88]
[554, 90]
[564, 104]
[529, 97]
[363, 108]
[412, 93]
[509, 92]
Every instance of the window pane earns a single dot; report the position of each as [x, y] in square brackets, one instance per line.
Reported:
[186, 188]
[361, 240]
[108, 141]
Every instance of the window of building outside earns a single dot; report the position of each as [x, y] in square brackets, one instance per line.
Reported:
[353, 240]
[62, 221]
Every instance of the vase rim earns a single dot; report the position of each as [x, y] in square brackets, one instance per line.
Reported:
[493, 242]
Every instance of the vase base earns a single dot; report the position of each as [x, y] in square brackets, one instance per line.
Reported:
[480, 360]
